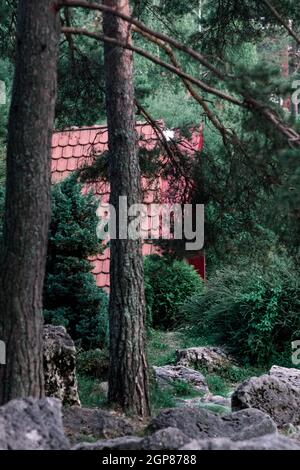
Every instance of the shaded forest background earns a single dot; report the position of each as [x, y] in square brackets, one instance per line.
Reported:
[248, 180]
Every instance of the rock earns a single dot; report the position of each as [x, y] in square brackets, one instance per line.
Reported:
[268, 442]
[202, 424]
[165, 375]
[120, 443]
[31, 424]
[165, 439]
[59, 365]
[93, 422]
[269, 394]
[209, 357]
[287, 375]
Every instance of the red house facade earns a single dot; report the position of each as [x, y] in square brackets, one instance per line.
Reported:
[76, 147]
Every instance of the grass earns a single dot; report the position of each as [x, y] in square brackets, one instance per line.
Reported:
[90, 393]
[162, 347]
[217, 385]
[225, 379]
[168, 397]
[162, 398]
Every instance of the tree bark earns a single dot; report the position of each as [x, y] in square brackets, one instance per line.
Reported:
[27, 207]
[128, 378]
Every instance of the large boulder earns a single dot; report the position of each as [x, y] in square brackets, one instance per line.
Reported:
[94, 423]
[202, 424]
[208, 357]
[166, 375]
[287, 375]
[165, 439]
[59, 365]
[268, 442]
[32, 424]
[271, 395]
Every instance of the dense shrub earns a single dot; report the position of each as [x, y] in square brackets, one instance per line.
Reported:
[254, 311]
[93, 363]
[168, 284]
[71, 297]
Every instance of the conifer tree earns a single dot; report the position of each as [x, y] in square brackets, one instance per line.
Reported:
[71, 297]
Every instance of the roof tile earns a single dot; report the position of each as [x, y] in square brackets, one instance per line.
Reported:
[63, 139]
[72, 164]
[84, 137]
[56, 152]
[62, 164]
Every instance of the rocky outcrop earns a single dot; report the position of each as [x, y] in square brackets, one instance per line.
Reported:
[269, 442]
[32, 424]
[202, 424]
[93, 422]
[267, 393]
[59, 365]
[286, 375]
[165, 375]
[208, 357]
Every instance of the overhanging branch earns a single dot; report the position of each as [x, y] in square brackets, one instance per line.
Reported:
[250, 103]
[281, 20]
[154, 59]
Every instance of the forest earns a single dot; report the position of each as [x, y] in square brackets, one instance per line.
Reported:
[149, 226]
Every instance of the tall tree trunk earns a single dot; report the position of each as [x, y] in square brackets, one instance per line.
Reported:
[128, 378]
[27, 208]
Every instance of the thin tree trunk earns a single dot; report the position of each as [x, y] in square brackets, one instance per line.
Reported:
[128, 378]
[27, 208]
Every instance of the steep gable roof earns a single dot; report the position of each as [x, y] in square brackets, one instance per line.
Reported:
[72, 148]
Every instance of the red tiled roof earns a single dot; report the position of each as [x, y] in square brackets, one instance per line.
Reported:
[74, 147]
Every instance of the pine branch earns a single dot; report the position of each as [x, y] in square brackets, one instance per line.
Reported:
[282, 20]
[225, 133]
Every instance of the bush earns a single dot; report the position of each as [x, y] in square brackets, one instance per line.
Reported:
[253, 312]
[93, 363]
[167, 285]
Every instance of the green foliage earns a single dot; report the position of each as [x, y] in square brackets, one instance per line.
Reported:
[184, 389]
[252, 309]
[217, 385]
[93, 363]
[162, 346]
[90, 393]
[71, 296]
[177, 110]
[168, 284]
[161, 398]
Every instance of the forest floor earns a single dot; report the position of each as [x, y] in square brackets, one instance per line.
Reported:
[162, 346]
